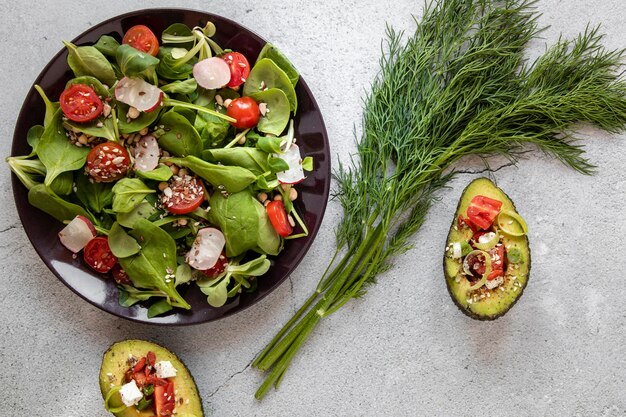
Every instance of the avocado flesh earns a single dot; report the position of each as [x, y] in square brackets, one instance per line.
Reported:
[498, 301]
[114, 366]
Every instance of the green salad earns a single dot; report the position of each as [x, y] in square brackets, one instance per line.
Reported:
[170, 163]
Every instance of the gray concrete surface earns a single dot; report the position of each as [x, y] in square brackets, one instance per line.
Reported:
[404, 349]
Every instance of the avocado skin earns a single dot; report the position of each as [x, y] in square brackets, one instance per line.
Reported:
[465, 311]
[193, 409]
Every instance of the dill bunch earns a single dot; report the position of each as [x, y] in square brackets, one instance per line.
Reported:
[459, 85]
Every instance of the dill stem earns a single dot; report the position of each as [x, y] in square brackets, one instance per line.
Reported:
[353, 287]
[321, 287]
[275, 376]
[364, 251]
[280, 361]
[285, 328]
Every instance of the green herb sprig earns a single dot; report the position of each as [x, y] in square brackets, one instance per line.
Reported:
[458, 86]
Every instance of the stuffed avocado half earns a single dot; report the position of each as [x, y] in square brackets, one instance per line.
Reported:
[142, 379]
[487, 256]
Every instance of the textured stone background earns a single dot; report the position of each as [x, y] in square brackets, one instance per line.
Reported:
[402, 350]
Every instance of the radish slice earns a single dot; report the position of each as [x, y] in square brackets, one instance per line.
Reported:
[138, 93]
[206, 249]
[147, 154]
[77, 234]
[212, 73]
[295, 173]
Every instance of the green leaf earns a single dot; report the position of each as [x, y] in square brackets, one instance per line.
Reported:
[101, 128]
[253, 268]
[277, 164]
[217, 294]
[30, 172]
[271, 52]
[143, 210]
[167, 68]
[47, 201]
[267, 74]
[130, 295]
[127, 125]
[51, 108]
[121, 244]
[183, 274]
[178, 35]
[33, 136]
[158, 308]
[160, 173]
[232, 178]
[307, 163]
[133, 62]
[63, 184]
[107, 45]
[57, 153]
[237, 217]
[276, 117]
[93, 195]
[179, 138]
[181, 87]
[267, 184]
[87, 60]
[268, 241]
[252, 159]
[269, 144]
[128, 193]
[213, 133]
[153, 267]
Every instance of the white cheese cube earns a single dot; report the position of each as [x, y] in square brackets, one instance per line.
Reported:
[131, 395]
[165, 369]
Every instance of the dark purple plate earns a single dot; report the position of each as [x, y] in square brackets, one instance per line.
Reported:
[100, 290]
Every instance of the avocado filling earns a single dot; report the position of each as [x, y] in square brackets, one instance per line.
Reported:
[148, 385]
[487, 257]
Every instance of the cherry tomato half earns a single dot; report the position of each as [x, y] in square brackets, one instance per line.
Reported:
[141, 38]
[278, 217]
[183, 194]
[98, 255]
[120, 276]
[218, 268]
[482, 211]
[80, 103]
[107, 162]
[245, 110]
[239, 68]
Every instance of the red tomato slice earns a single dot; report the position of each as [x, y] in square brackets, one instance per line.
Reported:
[98, 255]
[497, 261]
[140, 365]
[80, 103]
[151, 358]
[245, 110]
[183, 194]
[278, 217]
[164, 399]
[239, 68]
[108, 162]
[482, 211]
[218, 268]
[141, 379]
[141, 38]
[120, 276]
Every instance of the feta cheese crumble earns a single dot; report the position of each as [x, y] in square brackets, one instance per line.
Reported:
[165, 369]
[130, 393]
